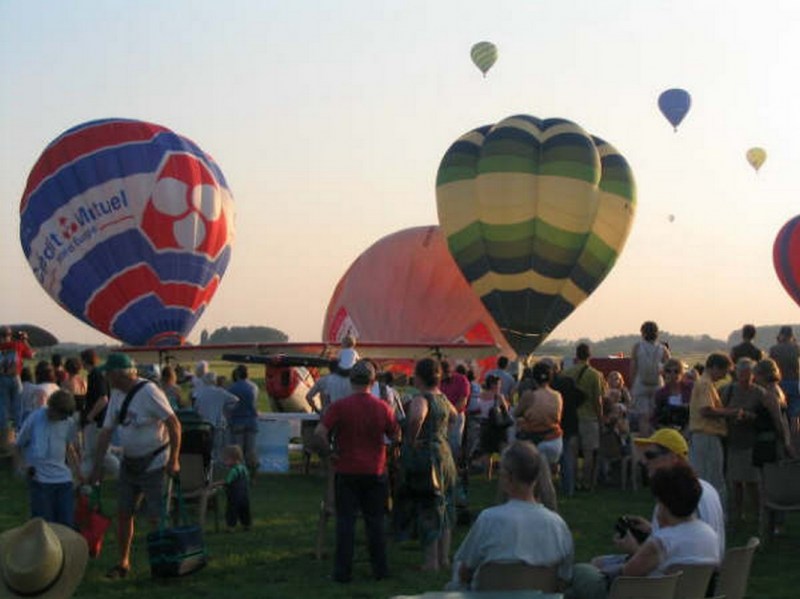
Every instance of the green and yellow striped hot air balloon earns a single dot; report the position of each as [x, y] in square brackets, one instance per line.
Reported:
[484, 55]
[535, 212]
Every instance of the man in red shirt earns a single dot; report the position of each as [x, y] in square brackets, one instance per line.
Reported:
[359, 423]
[13, 350]
[456, 388]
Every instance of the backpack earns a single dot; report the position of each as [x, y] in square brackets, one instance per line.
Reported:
[648, 363]
[9, 360]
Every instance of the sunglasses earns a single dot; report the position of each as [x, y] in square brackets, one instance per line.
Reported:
[652, 454]
[671, 371]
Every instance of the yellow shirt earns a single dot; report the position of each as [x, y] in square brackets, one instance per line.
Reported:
[704, 394]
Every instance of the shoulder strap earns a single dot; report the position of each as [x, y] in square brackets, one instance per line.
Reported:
[123, 411]
[583, 370]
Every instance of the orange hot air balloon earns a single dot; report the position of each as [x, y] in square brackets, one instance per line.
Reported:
[406, 288]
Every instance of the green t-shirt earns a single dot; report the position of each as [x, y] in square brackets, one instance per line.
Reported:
[590, 381]
[235, 473]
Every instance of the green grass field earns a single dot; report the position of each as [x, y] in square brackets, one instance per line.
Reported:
[275, 558]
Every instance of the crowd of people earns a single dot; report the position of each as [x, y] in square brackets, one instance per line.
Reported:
[702, 434]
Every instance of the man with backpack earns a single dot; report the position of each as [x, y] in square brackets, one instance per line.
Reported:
[589, 382]
[150, 436]
[647, 357]
[13, 350]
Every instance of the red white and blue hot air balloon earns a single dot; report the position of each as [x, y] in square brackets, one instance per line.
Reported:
[786, 257]
[129, 227]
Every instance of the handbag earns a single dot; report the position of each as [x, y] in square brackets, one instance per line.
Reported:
[499, 416]
[92, 523]
[178, 550]
[422, 479]
[420, 476]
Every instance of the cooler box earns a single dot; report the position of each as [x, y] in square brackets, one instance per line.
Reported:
[272, 444]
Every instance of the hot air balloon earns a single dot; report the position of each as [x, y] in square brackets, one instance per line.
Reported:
[535, 212]
[786, 257]
[406, 288]
[671, 218]
[484, 55]
[756, 157]
[129, 227]
[674, 105]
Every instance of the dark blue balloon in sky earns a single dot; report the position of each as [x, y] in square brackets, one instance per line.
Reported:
[674, 104]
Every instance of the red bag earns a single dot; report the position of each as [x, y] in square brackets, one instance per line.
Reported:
[91, 521]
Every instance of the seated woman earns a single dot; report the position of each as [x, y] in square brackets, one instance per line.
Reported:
[681, 539]
[671, 402]
[538, 414]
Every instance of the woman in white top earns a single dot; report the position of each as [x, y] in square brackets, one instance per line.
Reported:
[681, 538]
[647, 359]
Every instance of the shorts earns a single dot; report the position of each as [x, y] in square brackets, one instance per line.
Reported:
[551, 449]
[132, 488]
[643, 399]
[589, 433]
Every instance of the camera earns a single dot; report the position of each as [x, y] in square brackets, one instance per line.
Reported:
[624, 524]
[20, 335]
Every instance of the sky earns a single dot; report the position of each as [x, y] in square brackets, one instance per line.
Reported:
[329, 119]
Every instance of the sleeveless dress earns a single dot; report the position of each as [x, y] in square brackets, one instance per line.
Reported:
[436, 514]
[767, 448]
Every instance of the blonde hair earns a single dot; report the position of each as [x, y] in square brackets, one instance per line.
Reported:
[348, 341]
[233, 453]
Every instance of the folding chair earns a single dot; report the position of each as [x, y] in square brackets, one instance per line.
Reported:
[197, 488]
[644, 587]
[694, 580]
[781, 481]
[735, 570]
[516, 576]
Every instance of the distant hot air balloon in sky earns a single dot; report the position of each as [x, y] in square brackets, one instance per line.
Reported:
[535, 212]
[406, 288]
[786, 257]
[756, 157]
[674, 105]
[129, 227]
[671, 218]
[484, 55]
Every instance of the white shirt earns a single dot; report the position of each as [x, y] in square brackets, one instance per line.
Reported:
[692, 542]
[213, 403]
[709, 510]
[143, 430]
[518, 531]
[338, 387]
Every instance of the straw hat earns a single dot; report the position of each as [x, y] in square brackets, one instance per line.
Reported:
[41, 559]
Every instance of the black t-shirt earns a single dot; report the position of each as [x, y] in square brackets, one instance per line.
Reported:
[571, 396]
[96, 387]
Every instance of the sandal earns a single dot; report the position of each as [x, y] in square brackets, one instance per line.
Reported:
[117, 572]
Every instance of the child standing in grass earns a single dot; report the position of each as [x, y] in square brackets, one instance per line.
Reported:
[237, 488]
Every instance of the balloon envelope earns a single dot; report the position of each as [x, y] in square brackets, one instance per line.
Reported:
[535, 213]
[405, 288]
[674, 105]
[484, 55]
[786, 257]
[129, 227]
[756, 157]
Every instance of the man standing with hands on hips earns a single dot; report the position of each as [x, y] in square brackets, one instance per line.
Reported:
[150, 436]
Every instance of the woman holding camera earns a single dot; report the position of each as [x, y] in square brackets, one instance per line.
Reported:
[680, 539]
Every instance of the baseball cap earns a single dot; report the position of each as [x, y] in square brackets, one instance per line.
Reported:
[667, 438]
[117, 362]
[362, 373]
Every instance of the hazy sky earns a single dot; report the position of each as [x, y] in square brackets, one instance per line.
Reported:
[329, 119]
